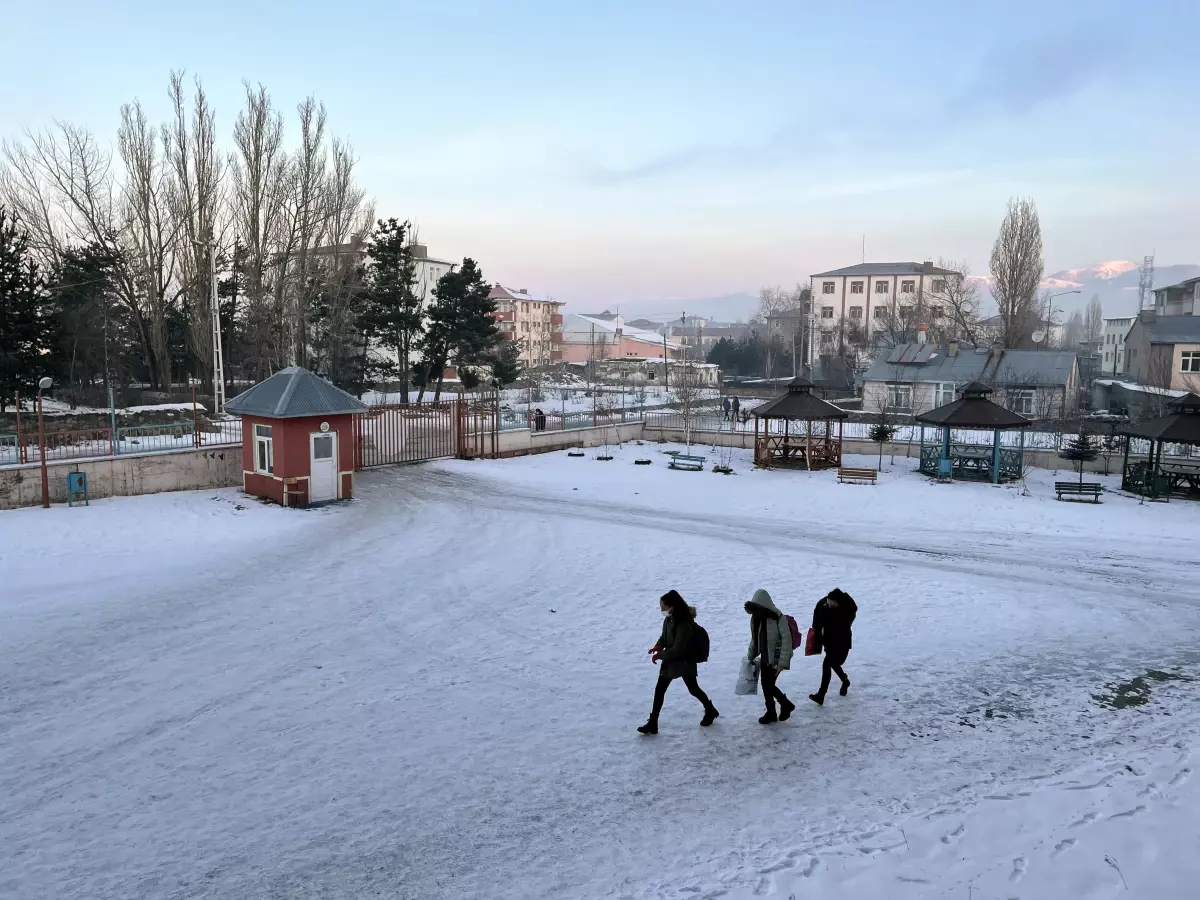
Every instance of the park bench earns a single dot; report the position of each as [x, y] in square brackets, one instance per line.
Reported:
[688, 463]
[1091, 489]
[857, 476]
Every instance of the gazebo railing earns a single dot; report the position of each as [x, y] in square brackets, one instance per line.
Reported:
[971, 461]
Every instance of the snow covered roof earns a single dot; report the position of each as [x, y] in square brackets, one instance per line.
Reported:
[580, 327]
[293, 393]
[500, 292]
[923, 363]
[1139, 388]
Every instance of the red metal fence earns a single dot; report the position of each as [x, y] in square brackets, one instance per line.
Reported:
[392, 433]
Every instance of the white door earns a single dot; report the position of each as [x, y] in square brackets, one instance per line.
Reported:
[323, 467]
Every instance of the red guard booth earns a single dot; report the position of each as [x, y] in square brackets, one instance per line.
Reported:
[297, 438]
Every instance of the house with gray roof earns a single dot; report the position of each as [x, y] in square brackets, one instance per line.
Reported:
[1164, 351]
[912, 379]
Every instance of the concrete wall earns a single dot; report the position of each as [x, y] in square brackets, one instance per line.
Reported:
[125, 476]
[524, 441]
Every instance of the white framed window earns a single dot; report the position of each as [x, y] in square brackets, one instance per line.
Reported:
[826, 287]
[938, 285]
[856, 287]
[264, 450]
[826, 312]
[1021, 401]
[943, 393]
[881, 287]
[880, 312]
[1190, 361]
[908, 287]
[899, 397]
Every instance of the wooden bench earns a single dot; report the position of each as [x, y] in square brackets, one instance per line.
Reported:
[688, 463]
[857, 476]
[1091, 489]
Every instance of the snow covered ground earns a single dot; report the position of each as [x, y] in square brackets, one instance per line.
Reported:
[431, 692]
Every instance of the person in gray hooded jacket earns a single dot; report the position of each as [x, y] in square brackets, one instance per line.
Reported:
[771, 643]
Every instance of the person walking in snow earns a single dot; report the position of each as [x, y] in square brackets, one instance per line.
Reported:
[725, 408]
[832, 618]
[675, 651]
[771, 643]
[734, 407]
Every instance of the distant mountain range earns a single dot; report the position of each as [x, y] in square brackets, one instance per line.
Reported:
[1115, 282]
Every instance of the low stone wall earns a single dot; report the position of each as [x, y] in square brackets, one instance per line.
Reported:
[523, 441]
[1039, 459]
[125, 476]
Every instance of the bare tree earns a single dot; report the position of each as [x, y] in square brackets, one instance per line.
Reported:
[1075, 331]
[1017, 264]
[953, 304]
[1094, 319]
[774, 302]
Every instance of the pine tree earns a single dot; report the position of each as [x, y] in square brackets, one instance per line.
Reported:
[393, 316]
[462, 324]
[881, 434]
[26, 326]
[97, 340]
[1080, 450]
[506, 363]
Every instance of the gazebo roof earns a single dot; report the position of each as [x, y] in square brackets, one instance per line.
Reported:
[294, 393]
[799, 403]
[974, 410]
[1180, 426]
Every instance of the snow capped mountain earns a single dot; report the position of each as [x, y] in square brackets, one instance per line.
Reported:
[1104, 271]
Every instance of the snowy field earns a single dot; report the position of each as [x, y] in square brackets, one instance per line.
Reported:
[432, 692]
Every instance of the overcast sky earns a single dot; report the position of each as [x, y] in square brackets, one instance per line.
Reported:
[609, 152]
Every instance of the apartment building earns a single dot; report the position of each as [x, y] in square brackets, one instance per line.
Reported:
[863, 299]
[1112, 346]
[536, 325]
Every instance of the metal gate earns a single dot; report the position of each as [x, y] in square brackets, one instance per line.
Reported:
[392, 433]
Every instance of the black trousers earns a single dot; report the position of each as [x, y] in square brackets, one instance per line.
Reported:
[660, 693]
[771, 691]
[832, 663]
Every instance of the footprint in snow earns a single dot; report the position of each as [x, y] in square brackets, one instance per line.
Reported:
[808, 870]
[1150, 790]
[1019, 868]
[1129, 812]
[1180, 777]
[1063, 846]
[954, 835]
[1086, 820]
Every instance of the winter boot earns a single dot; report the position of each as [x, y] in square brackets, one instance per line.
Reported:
[786, 708]
[845, 687]
[769, 718]
[651, 727]
[710, 715]
[818, 699]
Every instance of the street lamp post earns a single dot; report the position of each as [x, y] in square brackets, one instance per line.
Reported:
[1050, 312]
[43, 385]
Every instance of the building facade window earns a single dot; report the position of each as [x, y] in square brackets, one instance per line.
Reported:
[880, 313]
[1021, 402]
[881, 287]
[264, 450]
[908, 287]
[899, 397]
[826, 312]
[943, 393]
[1190, 361]
[856, 312]
[935, 312]
[938, 285]
[856, 287]
[826, 287]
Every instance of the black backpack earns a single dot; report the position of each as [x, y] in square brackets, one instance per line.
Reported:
[698, 651]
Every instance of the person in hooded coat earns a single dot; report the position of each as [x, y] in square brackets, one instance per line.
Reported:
[674, 650]
[771, 642]
[832, 621]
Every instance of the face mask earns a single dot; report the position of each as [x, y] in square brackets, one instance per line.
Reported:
[665, 612]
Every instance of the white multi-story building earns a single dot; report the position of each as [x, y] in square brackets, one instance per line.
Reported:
[865, 298]
[428, 271]
[1112, 347]
[536, 325]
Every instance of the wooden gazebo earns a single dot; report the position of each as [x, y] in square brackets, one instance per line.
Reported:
[957, 459]
[1155, 477]
[814, 447]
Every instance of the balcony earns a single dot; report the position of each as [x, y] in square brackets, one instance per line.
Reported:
[556, 337]
[556, 356]
[504, 316]
[556, 319]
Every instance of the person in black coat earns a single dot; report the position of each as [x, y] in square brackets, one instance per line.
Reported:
[832, 621]
[674, 649]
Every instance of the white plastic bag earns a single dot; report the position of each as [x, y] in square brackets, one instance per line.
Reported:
[747, 682]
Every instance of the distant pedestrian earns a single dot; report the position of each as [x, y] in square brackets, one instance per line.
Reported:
[677, 649]
[832, 621]
[725, 408]
[734, 406]
[539, 420]
[771, 643]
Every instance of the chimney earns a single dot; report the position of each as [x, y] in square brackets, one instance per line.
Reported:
[420, 251]
[927, 267]
[952, 349]
[522, 291]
